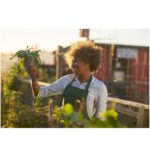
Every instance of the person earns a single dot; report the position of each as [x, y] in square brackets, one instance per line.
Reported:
[80, 86]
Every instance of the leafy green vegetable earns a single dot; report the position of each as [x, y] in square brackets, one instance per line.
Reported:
[28, 54]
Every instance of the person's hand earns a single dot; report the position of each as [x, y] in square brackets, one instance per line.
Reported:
[31, 70]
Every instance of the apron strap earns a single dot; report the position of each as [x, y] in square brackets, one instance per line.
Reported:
[69, 84]
[86, 88]
[88, 84]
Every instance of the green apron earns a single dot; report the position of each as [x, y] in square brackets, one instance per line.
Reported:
[71, 94]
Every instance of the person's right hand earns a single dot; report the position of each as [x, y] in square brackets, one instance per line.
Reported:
[31, 70]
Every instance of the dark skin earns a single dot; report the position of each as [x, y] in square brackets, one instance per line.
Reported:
[80, 69]
[33, 73]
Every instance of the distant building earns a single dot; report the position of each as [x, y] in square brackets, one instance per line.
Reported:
[47, 58]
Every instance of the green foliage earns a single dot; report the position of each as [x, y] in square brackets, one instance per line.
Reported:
[33, 55]
[68, 109]
[68, 118]
[29, 54]
[15, 114]
[14, 109]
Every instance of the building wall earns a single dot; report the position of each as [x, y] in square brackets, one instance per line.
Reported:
[136, 84]
[103, 71]
[139, 77]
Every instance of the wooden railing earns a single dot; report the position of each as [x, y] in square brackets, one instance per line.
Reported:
[133, 110]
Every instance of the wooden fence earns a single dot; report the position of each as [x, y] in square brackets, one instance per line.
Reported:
[138, 111]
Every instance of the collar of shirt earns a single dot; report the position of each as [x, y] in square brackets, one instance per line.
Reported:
[81, 85]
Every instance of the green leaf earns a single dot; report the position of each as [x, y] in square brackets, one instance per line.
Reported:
[68, 109]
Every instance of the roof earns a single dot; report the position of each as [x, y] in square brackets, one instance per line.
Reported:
[130, 37]
[121, 44]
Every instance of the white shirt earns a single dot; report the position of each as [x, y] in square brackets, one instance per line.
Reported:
[97, 92]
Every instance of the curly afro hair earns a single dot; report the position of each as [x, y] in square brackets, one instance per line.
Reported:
[87, 52]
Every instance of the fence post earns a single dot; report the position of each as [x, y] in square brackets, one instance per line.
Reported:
[59, 62]
[112, 48]
[140, 117]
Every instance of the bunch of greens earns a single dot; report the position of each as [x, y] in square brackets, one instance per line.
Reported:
[29, 54]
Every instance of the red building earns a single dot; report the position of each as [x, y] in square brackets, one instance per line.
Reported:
[130, 64]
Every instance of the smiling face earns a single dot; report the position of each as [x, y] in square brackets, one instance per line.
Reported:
[79, 67]
[83, 57]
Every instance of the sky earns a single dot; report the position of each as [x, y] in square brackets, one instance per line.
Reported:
[15, 39]
[12, 40]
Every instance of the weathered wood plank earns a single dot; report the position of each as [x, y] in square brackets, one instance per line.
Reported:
[129, 103]
[127, 111]
[140, 118]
